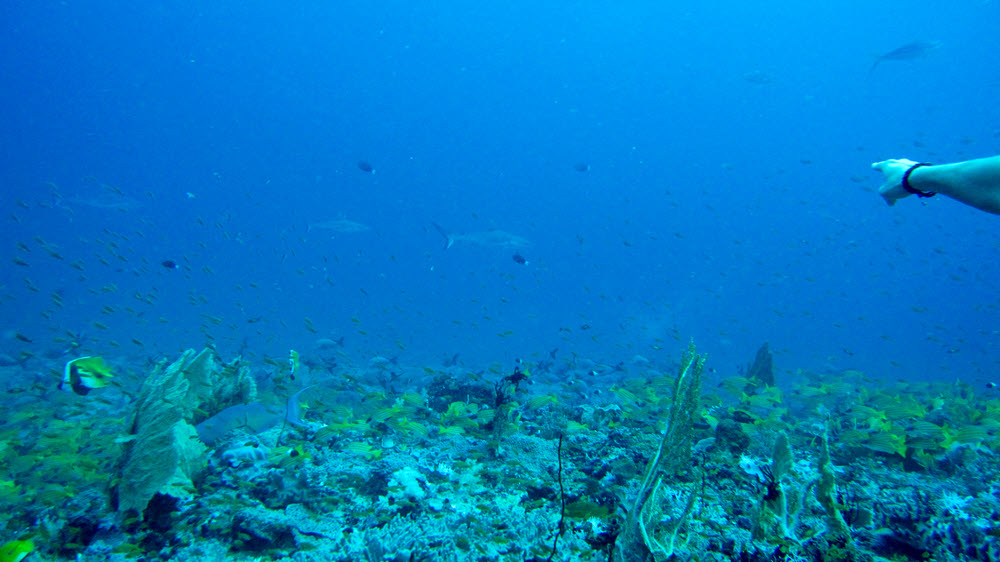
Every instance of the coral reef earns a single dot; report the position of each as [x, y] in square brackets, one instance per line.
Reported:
[162, 453]
[460, 466]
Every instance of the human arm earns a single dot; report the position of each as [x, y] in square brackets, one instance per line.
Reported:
[973, 182]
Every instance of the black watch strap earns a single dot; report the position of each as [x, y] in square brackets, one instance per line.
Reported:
[910, 188]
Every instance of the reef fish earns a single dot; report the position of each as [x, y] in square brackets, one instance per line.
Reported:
[293, 362]
[253, 418]
[15, 551]
[84, 374]
[910, 51]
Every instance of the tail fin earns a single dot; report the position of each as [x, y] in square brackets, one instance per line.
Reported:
[293, 413]
[449, 240]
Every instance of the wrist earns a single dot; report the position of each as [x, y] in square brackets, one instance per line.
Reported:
[908, 181]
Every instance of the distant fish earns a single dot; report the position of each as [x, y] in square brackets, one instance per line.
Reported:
[329, 343]
[450, 361]
[169, 264]
[758, 77]
[366, 167]
[114, 201]
[8, 361]
[581, 167]
[339, 225]
[489, 238]
[910, 51]
[519, 259]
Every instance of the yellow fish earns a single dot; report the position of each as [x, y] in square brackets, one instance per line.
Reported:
[293, 362]
[84, 374]
[15, 551]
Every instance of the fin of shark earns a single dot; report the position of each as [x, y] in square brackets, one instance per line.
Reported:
[293, 414]
[449, 239]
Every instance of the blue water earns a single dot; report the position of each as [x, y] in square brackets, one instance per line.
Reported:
[729, 196]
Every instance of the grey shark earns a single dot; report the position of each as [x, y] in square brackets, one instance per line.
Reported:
[488, 238]
[910, 51]
[339, 225]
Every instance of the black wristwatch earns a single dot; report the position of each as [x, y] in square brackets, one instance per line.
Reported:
[910, 188]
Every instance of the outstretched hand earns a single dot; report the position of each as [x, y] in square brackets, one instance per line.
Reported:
[892, 189]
